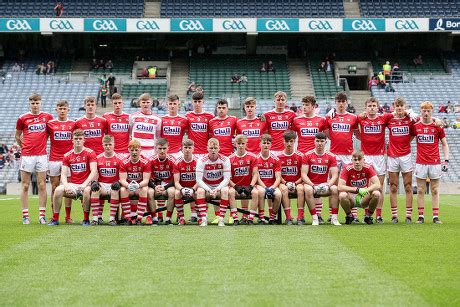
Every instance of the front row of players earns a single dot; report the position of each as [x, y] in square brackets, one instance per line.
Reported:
[140, 185]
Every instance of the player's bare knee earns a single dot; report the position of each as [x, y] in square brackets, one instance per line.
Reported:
[394, 187]
[376, 194]
[434, 190]
[421, 190]
[343, 196]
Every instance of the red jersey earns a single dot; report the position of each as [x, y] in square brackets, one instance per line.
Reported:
[198, 130]
[94, 132]
[267, 168]
[118, 127]
[307, 128]
[108, 168]
[291, 166]
[136, 170]
[173, 129]
[60, 133]
[319, 165]
[34, 136]
[146, 128]
[79, 164]
[358, 179]
[223, 130]
[186, 171]
[242, 168]
[162, 170]
[213, 172]
[341, 132]
[400, 136]
[372, 133]
[427, 137]
[277, 124]
[253, 130]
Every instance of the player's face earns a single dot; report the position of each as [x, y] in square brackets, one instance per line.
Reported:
[108, 147]
[280, 102]
[62, 111]
[187, 150]
[117, 105]
[400, 109]
[289, 145]
[90, 107]
[372, 108]
[241, 146]
[341, 104]
[222, 110]
[146, 105]
[198, 105]
[250, 109]
[357, 163]
[78, 141]
[173, 107]
[35, 106]
[162, 150]
[265, 145]
[135, 152]
[213, 150]
[426, 113]
[308, 108]
[320, 144]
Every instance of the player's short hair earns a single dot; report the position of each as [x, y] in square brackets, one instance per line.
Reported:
[309, 100]
[222, 102]
[35, 96]
[357, 154]
[108, 138]
[89, 99]
[371, 99]
[78, 133]
[341, 96]
[188, 143]
[266, 138]
[62, 103]
[134, 144]
[289, 135]
[173, 98]
[426, 105]
[213, 141]
[145, 96]
[116, 96]
[280, 93]
[241, 137]
[399, 101]
[161, 142]
[250, 101]
[320, 136]
[197, 96]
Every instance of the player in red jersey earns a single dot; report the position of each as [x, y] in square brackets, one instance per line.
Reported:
[269, 167]
[174, 126]
[244, 178]
[162, 181]
[185, 180]
[60, 133]
[213, 174]
[320, 174]
[278, 121]
[108, 167]
[223, 128]
[145, 126]
[428, 163]
[251, 126]
[93, 125]
[31, 136]
[198, 130]
[134, 179]
[291, 180]
[81, 164]
[359, 187]
[118, 126]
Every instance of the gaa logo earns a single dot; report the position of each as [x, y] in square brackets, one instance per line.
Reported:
[61, 25]
[191, 25]
[363, 25]
[104, 25]
[318, 25]
[406, 25]
[233, 25]
[18, 25]
[277, 25]
[147, 25]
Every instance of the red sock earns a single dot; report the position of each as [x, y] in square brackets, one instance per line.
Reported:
[193, 208]
[271, 213]
[133, 208]
[41, 212]
[409, 212]
[95, 207]
[101, 207]
[67, 212]
[169, 213]
[113, 207]
[420, 211]
[202, 207]
[179, 203]
[261, 214]
[287, 212]
[300, 213]
[234, 213]
[126, 207]
[244, 207]
[141, 206]
[366, 211]
[223, 207]
[25, 213]
[378, 212]
[313, 211]
[56, 216]
[354, 212]
[252, 213]
[394, 211]
[435, 212]
[86, 215]
[334, 210]
[319, 208]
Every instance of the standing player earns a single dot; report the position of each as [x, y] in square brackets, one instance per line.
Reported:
[320, 174]
[223, 127]
[213, 175]
[251, 126]
[291, 180]
[93, 125]
[145, 126]
[359, 187]
[173, 126]
[269, 167]
[244, 178]
[185, 179]
[428, 163]
[278, 121]
[31, 136]
[60, 132]
[118, 125]
[198, 120]
[108, 184]
[81, 164]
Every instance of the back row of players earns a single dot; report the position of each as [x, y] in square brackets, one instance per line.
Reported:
[145, 132]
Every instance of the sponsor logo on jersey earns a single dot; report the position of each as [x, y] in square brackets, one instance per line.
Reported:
[162, 174]
[134, 176]
[280, 125]
[361, 183]
[117, 127]
[318, 169]
[199, 127]
[37, 127]
[425, 138]
[222, 131]
[93, 133]
[108, 172]
[213, 174]
[143, 127]
[241, 171]
[187, 177]
[62, 135]
[402, 130]
[171, 130]
[340, 127]
[251, 133]
[289, 170]
[78, 167]
[372, 129]
[266, 173]
[308, 131]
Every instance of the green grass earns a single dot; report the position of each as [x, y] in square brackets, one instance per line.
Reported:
[260, 265]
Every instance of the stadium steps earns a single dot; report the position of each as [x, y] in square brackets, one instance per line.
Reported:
[358, 98]
[152, 9]
[299, 76]
[351, 9]
[179, 80]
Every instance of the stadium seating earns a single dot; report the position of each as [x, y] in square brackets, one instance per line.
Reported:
[253, 8]
[74, 8]
[412, 8]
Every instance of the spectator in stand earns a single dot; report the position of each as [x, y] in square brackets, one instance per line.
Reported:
[111, 83]
[188, 106]
[396, 74]
[450, 107]
[322, 66]
[293, 107]
[446, 123]
[101, 64]
[235, 78]
[23, 67]
[41, 69]
[351, 109]
[2, 161]
[16, 68]
[244, 78]
[372, 81]
[418, 61]
[386, 108]
[263, 67]
[103, 93]
[109, 65]
[387, 70]
[16, 153]
[50, 69]
[191, 88]
[3, 149]
[381, 80]
[328, 66]
[59, 9]
[442, 108]
[94, 64]
[271, 67]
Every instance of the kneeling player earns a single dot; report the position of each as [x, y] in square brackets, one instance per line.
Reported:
[108, 183]
[320, 173]
[81, 163]
[359, 187]
[269, 179]
[134, 180]
[244, 177]
[213, 173]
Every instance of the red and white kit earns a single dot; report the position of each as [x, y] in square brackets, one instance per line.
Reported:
[358, 179]
[173, 129]
[306, 129]
[60, 133]
[428, 163]
[242, 167]
[162, 170]
[133, 170]
[341, 132]
[34, 133]
[267, 168]
[146, 128]
[253, 130]
[108, 168]
[399, 150]
[277, 124]
[94, 129]
[186, 171]
[319, 166]
[223, 130]
[291, 165]
[198, 130]
[79, 164]
[212, 172]
[118, 127]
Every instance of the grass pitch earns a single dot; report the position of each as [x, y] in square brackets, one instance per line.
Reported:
[244, 265]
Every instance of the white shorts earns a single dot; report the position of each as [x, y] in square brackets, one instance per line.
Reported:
[177, 155]
[106, 187]
[55, 167]
[379, 164]
[342, 160]
[32, 164]
[400, 164]
[424, 171]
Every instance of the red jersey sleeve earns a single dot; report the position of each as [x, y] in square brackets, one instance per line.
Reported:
[344, 174]
[332, 161]
[92, 156]
[277, 167]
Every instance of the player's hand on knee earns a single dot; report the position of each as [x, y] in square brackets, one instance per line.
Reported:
[238, 189]
[95, 186]
[269, 193]
[291, 187]
[115, 186]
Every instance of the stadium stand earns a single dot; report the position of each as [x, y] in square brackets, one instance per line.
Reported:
[412, 8]
[242, 8]
[74, 8]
